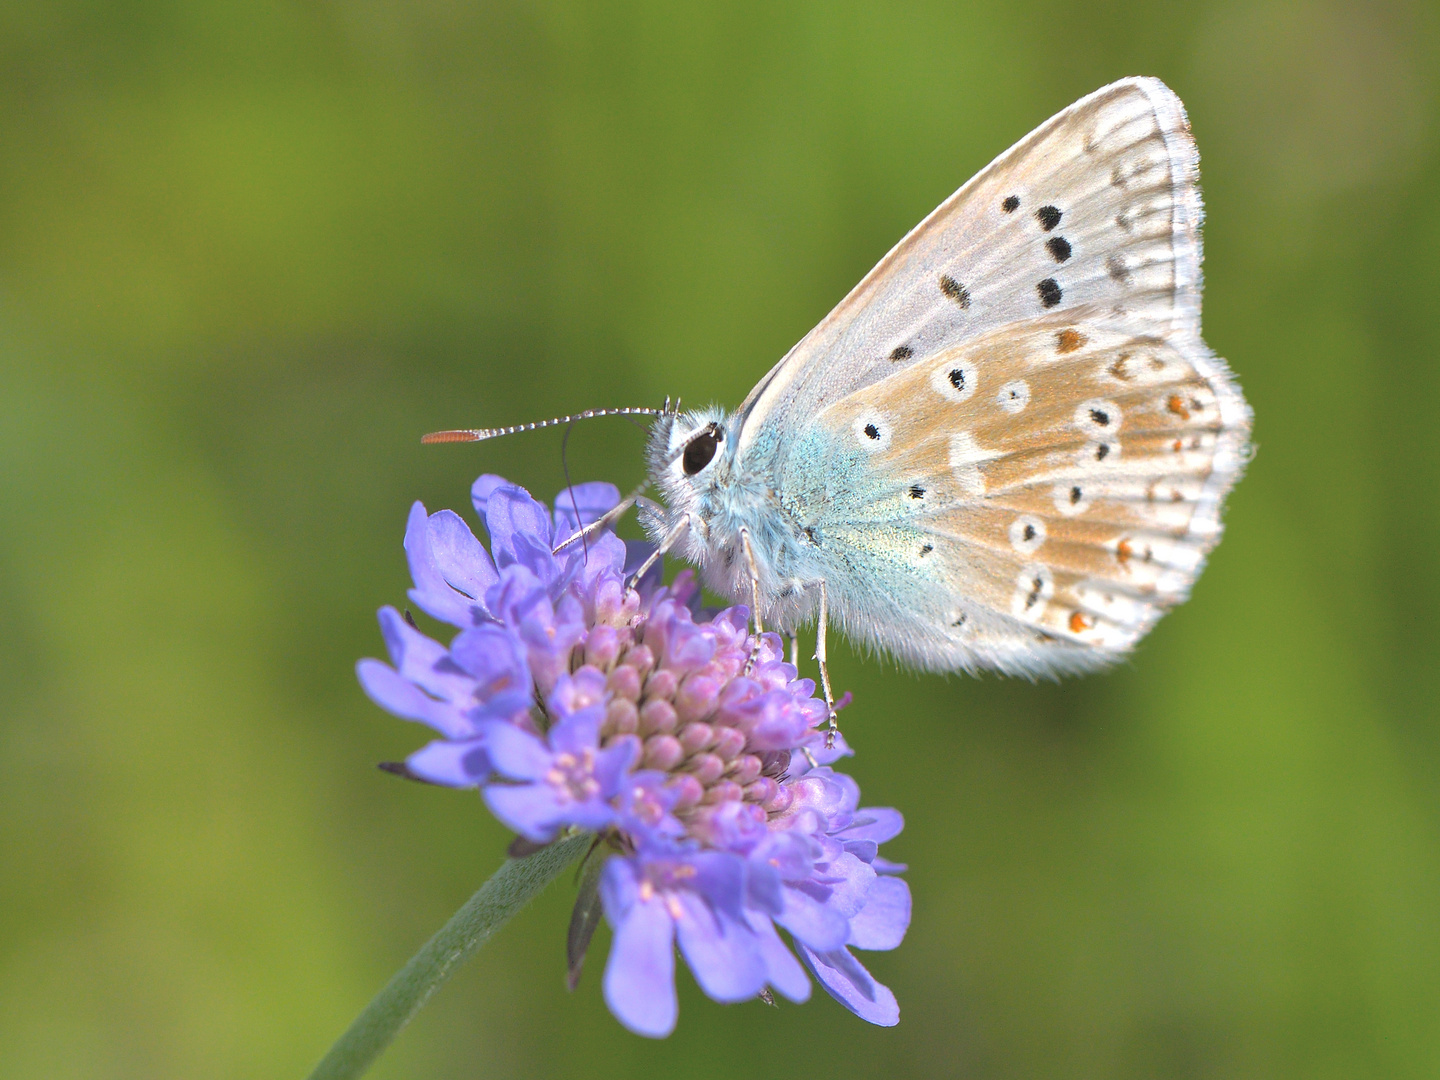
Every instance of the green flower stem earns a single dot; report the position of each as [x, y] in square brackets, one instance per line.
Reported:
[509, 889]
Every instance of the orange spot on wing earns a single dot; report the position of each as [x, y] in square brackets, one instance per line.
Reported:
[1080, 621]
[1123, 551]
[1178, 445]
[1176, 404]
[1068, 340]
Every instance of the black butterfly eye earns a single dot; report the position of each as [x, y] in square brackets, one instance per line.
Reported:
[700, 450]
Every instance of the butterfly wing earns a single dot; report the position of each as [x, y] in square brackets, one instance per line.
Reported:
[1052, 505]
[1029, 358]
[1098, 204]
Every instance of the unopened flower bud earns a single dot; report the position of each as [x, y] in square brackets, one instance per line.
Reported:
[780, 801]
[697, 737]
[729, 742]
[689, 791]
[602, 647]
[698, 694]
[707, 768]
[662, 684]
[624, 682]
[745, 770]
[641, 658]
[663, 752]
[657, 716]
[724, 791]
[621, 718]
[761, 791]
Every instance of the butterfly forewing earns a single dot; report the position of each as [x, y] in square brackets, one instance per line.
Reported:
[1097, 205]
[1048, 441]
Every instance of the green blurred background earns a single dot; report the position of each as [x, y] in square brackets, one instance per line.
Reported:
[249, 252]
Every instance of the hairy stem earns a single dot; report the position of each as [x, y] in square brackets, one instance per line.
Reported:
[509, 889]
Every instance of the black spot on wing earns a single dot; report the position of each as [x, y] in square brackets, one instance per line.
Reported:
[1048, 216]
[1058, 247]
[954, 290]
[872, 432]
[1049, 291]
[1036, 588]
[917, 492]
[902, 352]
[1011, 204]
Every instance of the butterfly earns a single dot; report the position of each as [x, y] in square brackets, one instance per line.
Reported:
[1008, 447]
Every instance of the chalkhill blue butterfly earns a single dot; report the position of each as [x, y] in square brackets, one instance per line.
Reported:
[1008, 447]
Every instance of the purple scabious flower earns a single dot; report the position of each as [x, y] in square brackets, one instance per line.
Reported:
[574, 700]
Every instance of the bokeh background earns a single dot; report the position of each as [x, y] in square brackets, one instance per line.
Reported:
[250, 251]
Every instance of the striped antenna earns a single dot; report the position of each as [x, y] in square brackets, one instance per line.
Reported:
[477, 434]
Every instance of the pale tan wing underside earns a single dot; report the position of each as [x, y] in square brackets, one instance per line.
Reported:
[1119, 169]
[1064, 474]
[1031, 354]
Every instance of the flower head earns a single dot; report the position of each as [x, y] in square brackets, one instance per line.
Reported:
[574, 700]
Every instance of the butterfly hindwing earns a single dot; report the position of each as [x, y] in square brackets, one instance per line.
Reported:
[1051, 481]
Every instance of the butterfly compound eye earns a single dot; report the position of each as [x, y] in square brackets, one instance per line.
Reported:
[700, 450]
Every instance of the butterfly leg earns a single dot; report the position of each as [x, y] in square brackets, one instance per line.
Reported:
[754, 571]
[614, 514]
[794, 650]
[822, 660]
[665, 545]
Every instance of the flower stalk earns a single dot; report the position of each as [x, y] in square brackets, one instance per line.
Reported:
[509, 889]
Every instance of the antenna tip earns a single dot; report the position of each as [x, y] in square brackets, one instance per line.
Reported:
[450, 436]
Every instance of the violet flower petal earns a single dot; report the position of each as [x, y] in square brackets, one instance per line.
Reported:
[639, 979]
[722, 952]
[877, 823]
[578, 732]
[529, 809]
[483, 488]
[461, 559]
[432, 594]
[882, 922]
[850, 881]
[720, 876]
[782, 970]
[389, 690]
[460, 764]
[488, 651]
[593, 500]
[518, 754]
[515, 519]
[812, 922]
[619, 888]
[847, 981]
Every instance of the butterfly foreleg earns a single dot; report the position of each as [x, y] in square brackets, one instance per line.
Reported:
[604, 521]
[676, 531]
